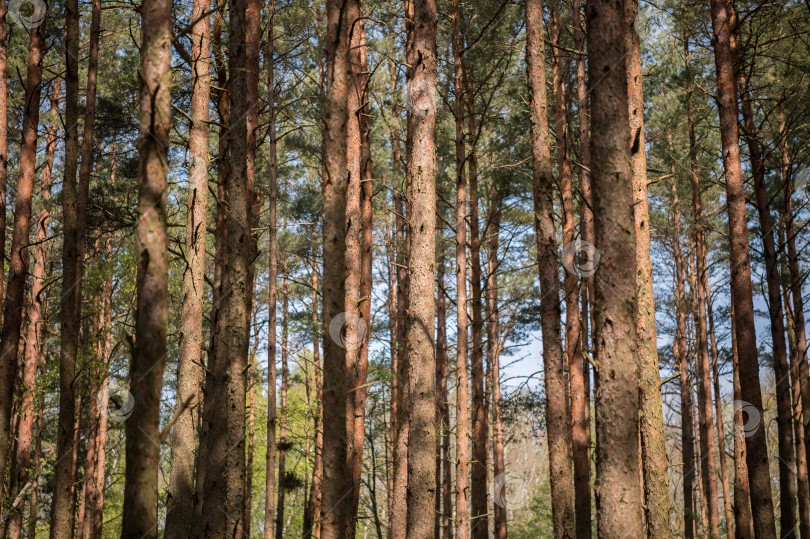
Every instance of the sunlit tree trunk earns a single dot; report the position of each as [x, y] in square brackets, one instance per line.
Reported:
[741, 291]
[180, 502]
[557, 414]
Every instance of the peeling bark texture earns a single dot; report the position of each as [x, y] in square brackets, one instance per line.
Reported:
[741, 290]
[618, 493]
[180, 502]
[653, 442]
[14, 300]
[420, 316]
[557, 413]
[335, 509]
[146, 370]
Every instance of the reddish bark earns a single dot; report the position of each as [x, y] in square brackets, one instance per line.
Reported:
[557, 414]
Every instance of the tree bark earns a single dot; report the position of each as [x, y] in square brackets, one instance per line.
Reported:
[14, 300]
[653, 443]
[494, 353]
[272, 270]
[619, 512]
[462, 335]
[73, 202]
[335, 510]
[313, 509]
[742, 295]
[444, 510]
[33, 342]
[180, 502]
[787, 484]
[743, 527]
[557, 414]
[3, 143]
[800, 380]
[146, 371]
[420, 321]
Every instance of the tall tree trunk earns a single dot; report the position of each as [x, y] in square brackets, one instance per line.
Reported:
[337, 473]
[282, 416]
[480, 404]
[397, 498]
[146, 371]
[462, 345]
[223, 507]
[582, 430]
[180, 499]
[708, 450]
[800, 380]
[442, 428]
[557, 414]
[73, 201]
[681, 354]
[272, 270]
[33, 341]
[718, 416]
[494, 353]
[742, 295]
[251, 436]
[573, 347]
[421, 272]
[743, 527]
[787, 483]
[312, 511]
[18, 265]
[619, 512]
[653, 443]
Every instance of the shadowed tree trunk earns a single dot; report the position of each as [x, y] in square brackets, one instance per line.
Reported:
[73, 202]
[272, 269]
[653, 443]
[180, 502]
[335, 509]
[420, 321]
[787, 483]
[557, 414]
[313, 509]
[14, 299]
[741, 291]
[143, 437]
[619, 512]
[462, 411]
